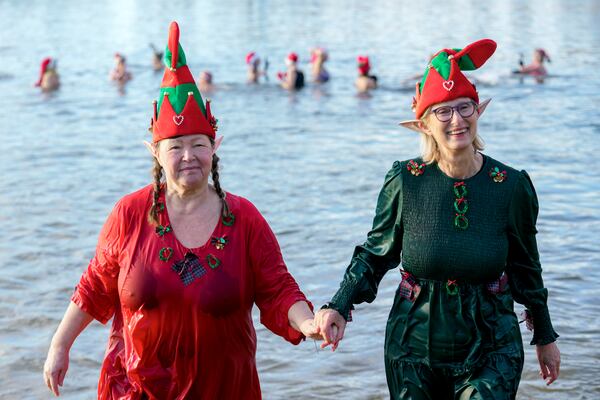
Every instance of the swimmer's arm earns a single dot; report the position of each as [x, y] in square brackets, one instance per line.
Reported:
[73, 323]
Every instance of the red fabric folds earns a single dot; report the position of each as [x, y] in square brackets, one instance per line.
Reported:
[171, 341]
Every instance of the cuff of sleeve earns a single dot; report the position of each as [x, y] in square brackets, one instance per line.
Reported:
[292, 335]
[543, 331]
[81, 302]
[342, 301]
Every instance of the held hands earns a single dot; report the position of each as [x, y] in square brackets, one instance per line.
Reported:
[309, 329]
[331, 326]
[548, 356]
[55, 368]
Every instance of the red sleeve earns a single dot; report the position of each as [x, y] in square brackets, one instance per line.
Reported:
[275, 288]
[96, 293]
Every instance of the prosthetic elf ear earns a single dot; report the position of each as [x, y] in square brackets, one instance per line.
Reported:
[217, 143]
[414, 125]
[482, 106]
[151, 148]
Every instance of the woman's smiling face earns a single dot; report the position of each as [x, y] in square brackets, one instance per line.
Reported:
[453, 124]
[186, 160]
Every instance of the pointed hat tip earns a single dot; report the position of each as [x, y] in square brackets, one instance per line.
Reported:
[173, 43]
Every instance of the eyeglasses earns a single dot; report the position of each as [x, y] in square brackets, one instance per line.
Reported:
[445, 113]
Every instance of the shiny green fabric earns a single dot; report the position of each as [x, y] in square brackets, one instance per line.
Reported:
[469, 342]
[496, 379]
[414, 219]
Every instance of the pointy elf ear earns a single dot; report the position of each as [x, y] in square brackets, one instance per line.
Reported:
[151, 149]
[217, 143]
[414, 125]
[482, 106]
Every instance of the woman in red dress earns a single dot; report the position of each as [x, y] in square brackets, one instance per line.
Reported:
[178, 267]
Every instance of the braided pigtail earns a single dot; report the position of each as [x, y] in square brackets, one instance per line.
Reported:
[157, 175]
[217, 185]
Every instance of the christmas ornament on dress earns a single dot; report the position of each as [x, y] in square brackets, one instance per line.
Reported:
[497, 175]
[415, 168]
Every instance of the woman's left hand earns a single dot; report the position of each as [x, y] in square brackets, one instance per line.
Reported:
[549, 358]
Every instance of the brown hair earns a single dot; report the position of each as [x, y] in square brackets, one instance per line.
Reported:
[157, 173]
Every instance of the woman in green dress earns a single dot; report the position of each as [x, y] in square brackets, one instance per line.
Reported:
[463, 225]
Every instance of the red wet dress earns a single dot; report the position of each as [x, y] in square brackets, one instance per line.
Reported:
[184, 330]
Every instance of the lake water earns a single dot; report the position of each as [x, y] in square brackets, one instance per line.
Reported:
[312, 162]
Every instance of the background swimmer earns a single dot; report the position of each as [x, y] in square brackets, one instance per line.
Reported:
[49, 79]
[318, 56]
[364, 82]
[293, 79]
[120, 73]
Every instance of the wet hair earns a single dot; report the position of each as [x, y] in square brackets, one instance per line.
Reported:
[430, 151]
[157, 175]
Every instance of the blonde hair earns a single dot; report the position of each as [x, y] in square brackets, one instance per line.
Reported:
[429, 147]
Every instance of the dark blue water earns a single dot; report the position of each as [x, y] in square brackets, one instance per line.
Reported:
[312, 162]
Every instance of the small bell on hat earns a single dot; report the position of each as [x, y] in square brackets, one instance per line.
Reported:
[180, 109]
[444, 80]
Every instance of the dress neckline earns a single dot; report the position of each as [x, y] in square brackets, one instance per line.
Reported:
[167, 221]
[478, 173]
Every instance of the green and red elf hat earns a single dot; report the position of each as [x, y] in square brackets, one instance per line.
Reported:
[443, 79]
[179, 109]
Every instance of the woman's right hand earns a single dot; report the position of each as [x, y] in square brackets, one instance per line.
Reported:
[331, 325]
[55, 368]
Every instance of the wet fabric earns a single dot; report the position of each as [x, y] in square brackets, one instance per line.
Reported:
[455, 310]
[451, 329]
[172, 339]
[497, 378]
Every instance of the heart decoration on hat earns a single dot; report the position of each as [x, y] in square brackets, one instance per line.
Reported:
[444, 80]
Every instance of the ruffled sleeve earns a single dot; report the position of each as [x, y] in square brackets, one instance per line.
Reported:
[380, 252]
[523, 266]
[275, 290]
[96, 293]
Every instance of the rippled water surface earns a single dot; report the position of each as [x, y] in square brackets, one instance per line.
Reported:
[312, 162]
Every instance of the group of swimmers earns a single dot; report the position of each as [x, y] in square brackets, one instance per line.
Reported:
[291, 79]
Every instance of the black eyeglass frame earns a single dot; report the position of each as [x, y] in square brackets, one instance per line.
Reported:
[457, 109]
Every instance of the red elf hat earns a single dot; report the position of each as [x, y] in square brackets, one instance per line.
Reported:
[43, 68]
[443, 79]
[180, 109]
[251, 57]
[363, 64]
[293, 57]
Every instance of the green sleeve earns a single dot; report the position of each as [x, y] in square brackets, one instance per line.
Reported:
[523, 266]
[381, 251]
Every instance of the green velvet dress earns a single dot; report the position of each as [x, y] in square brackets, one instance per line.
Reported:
[468, 249]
